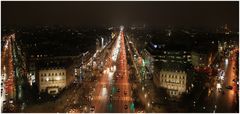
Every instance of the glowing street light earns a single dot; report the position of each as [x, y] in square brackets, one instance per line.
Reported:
[104, 91]
[148, 104]
[145, 95]
[47, 78]
[226, 61]
[219, 86]
[121, 27]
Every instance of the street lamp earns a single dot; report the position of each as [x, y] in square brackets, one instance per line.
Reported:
[102, 41]
[85, 108]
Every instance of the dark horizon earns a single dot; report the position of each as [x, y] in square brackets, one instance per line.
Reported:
[202, 13]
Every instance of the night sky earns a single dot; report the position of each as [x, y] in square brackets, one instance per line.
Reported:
[157, 13]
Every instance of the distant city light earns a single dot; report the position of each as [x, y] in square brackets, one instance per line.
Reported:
[6, 45]
[226, 61]
[116, 49]
[110, 75]
[155, 46]
[104, 91]
[122, 72]
[121, 28]
[222, 77]
[219, 86]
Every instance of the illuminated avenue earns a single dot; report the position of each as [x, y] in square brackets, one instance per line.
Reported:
[118, 68]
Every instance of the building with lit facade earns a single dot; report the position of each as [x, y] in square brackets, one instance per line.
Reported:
[32, 74]
[52, 80]
[172, 68]
[174, 81]
[170, 53]
[177, 56]
[149, 60]
[200, 59]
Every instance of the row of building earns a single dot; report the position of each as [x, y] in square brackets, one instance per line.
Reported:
[173, 65]
[51, 74]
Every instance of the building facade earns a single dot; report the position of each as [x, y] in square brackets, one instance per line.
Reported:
[52, 80]
[174, 56]
[149, 60]
[175, 82]
[201, 59]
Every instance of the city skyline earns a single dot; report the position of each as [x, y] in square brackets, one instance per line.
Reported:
[201, 13]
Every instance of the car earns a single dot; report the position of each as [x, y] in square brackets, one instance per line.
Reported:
[234, 80]
[125, 92]
[140, 111]
[104, 86]
[223, 92]
[81, 109]
[11, 101]
[92, 108]
[229, 87]
[75, 81]
[111, 98]
[125, 107]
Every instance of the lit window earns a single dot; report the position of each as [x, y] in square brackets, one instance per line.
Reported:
[47, 79]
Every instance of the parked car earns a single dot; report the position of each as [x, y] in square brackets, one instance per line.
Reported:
[125, 107]
[92, 109]
[229, 87]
